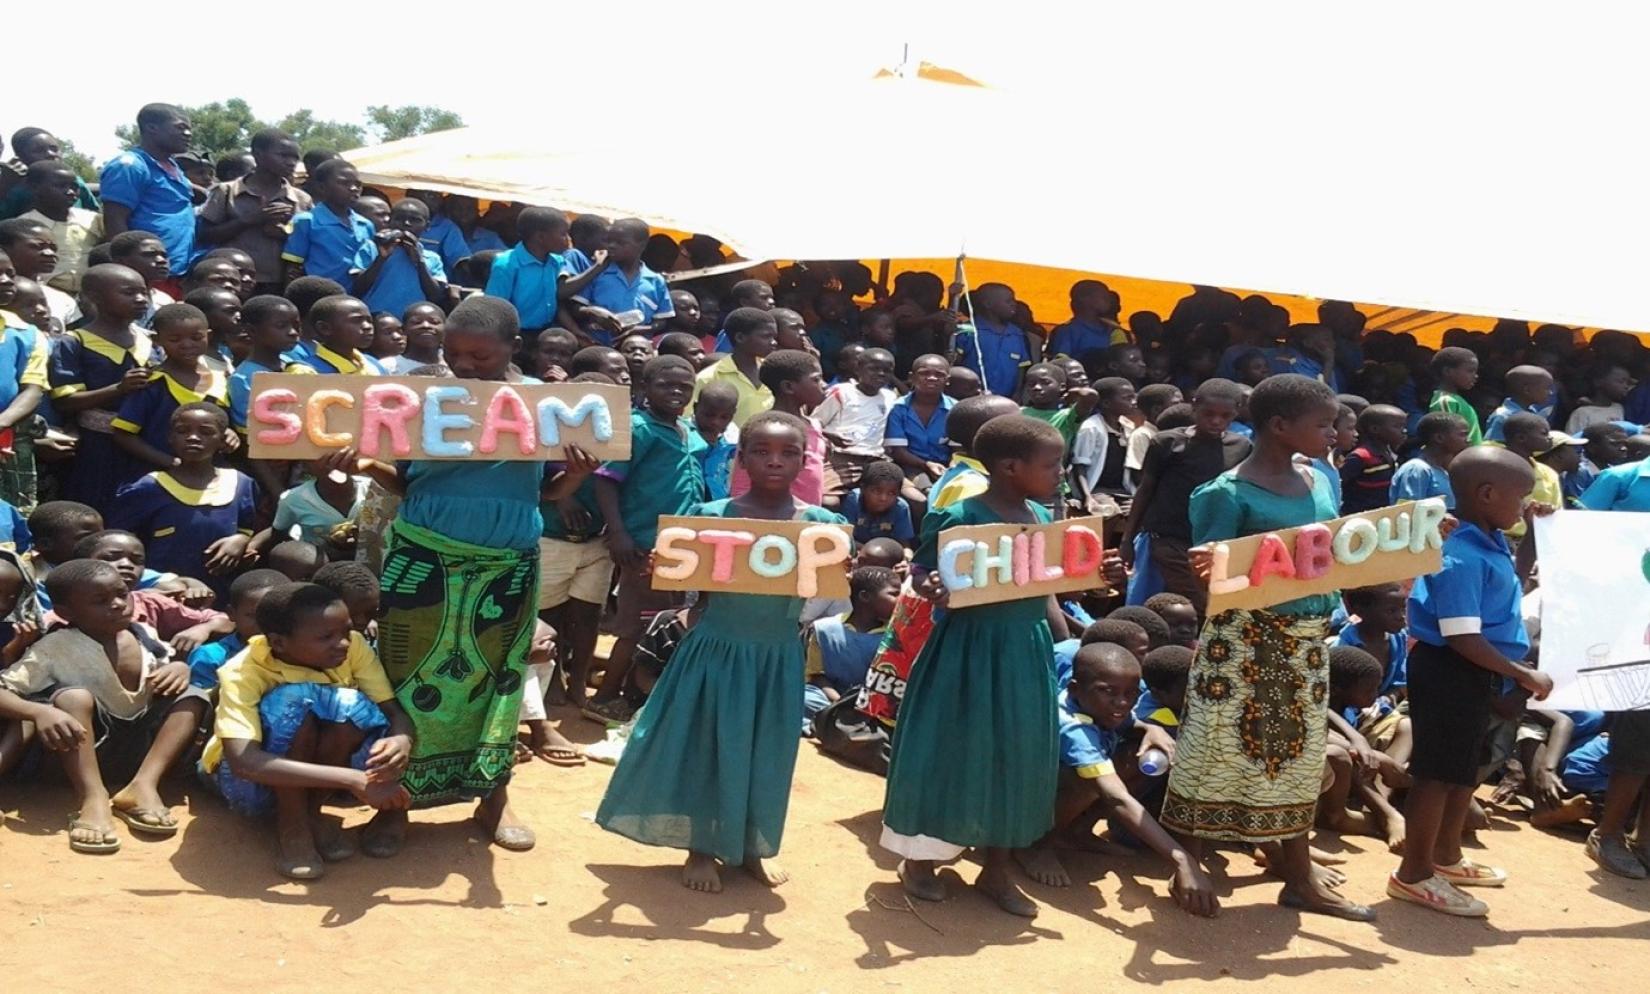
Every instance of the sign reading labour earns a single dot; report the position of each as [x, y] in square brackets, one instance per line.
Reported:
[1394, 543]
[985, 564]
[297, 416]
[752, 556]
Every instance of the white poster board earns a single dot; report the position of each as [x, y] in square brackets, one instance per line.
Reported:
[1595, 609]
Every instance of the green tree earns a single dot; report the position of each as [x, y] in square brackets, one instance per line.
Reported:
[79, 161]
[395, 123]
[311, 134]
[220, 126]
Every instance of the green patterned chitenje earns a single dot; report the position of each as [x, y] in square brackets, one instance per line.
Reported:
[453, 634]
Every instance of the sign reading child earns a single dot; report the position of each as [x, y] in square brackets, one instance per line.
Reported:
[394, 418]
[985, 564]
[750, 556]
[1393, 543]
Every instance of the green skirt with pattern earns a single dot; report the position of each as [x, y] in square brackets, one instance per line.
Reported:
[453, 634]
[1249, 759]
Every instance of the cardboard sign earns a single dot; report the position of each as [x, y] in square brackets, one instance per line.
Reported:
[985, 564]
[298, 416]
[752, 556]
[1394, 543]
[1595, 609]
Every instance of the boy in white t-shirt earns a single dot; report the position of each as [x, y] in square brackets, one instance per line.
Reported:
[853, 418]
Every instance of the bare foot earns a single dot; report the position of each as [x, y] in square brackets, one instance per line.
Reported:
[385, 834]
[701, 874]
[297, 857]
[1346, 822]
[1264, 855]
[331, 841]
[1327, 877]
[1323, 858]
[1572, 810]
[1043, 866]
[918, 879]
[767, 872]
[994, 883]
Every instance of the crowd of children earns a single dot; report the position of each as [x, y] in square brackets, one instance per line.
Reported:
[290, 630]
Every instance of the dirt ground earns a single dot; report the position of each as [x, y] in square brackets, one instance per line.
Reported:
[590, 911]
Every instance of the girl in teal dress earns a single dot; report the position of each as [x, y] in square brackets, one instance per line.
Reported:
[975, 755]
[1250, 753]
[708, 765]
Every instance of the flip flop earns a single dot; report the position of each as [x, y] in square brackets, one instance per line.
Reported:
[613, 712]
[1347, 912]
[144, 821]
[109, 843]
[565, 756]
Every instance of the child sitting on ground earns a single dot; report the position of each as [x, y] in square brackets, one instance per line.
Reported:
[1468, 630]
[1163, 674]
[194, 518]
[1443, 437]
[1179, 614]
[838, 650]
[1352, 764]
[185, 628]
[1117, 631]
[139, 803]
[92, 691]
[1096, 716]
[876, 509]
[358, 587]
[297, 560]
[304, 711]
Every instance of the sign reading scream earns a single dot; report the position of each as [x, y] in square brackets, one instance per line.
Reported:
[984, 564]
[298, 416]
[752, 556]
[1394, 543]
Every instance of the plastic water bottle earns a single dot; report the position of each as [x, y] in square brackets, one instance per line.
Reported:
[1154, 762]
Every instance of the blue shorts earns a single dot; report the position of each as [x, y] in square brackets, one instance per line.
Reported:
[283, 711]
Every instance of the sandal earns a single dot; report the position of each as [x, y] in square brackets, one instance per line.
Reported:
[1348, 911]
[144, 821]
[107, 842]
[614, 712]
[564, 756]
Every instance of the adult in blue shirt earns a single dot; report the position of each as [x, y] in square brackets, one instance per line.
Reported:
[997, 349]
[1620, 488]
[1093, 326]
[145, 189]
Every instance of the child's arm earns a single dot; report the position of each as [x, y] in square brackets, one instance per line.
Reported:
[24, 634]
[1357, 745]
[380, 251]
[140, 450]
[249, 761]
[1143, 495]
[1192, 888]
[131, 381]
[620, 546]
[1477, 650]
[427, 283]
[27, 400]
[387, 759]
[573, 285]
[575, 470]
[1544, 777]
[351, 463]
[1082, 401]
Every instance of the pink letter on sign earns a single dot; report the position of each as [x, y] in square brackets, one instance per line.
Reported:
[1081, 553]
[508, 412]
[284, 426]
[1272, 558]
[387, 407]
[1022, 560]
[1040, 569]
[1313, 552]
[724, 542]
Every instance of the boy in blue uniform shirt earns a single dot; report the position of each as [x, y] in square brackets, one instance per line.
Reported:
[1093, 326]
[875, 508]
[325, 241]
[343, 327]
[1528, 391]
[838, 651]
[997, 349]
[1469, 630]
[442, 236]
[715, 439]
[529, 275]
[1443, 436]
[1163, 676]
[394, 271]
[1096, 722]
[144, 189]
[621, 292]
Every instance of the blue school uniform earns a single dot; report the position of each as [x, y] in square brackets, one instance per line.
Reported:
[240, 391]
[1075, 339]
[82, 361]
[1418, 479]
[1292, 360]
[485, 240]
[160, 199]
[397, 286]
[1065, 654]
[639, 301]
[14, 530]
[1620, 488]
[445, 240]
[1085, 747]
[176, 522]
[925, 441]
[148, 413]
[325, 243]
[1477, 592]
[206, 660]
[575, 262]
[998, 354]
[319, 358]
[845, 652]
[1496, 425]
[529, 283]
[1397, 668]
[894, 523]
[1149, 710]
[716, 459]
